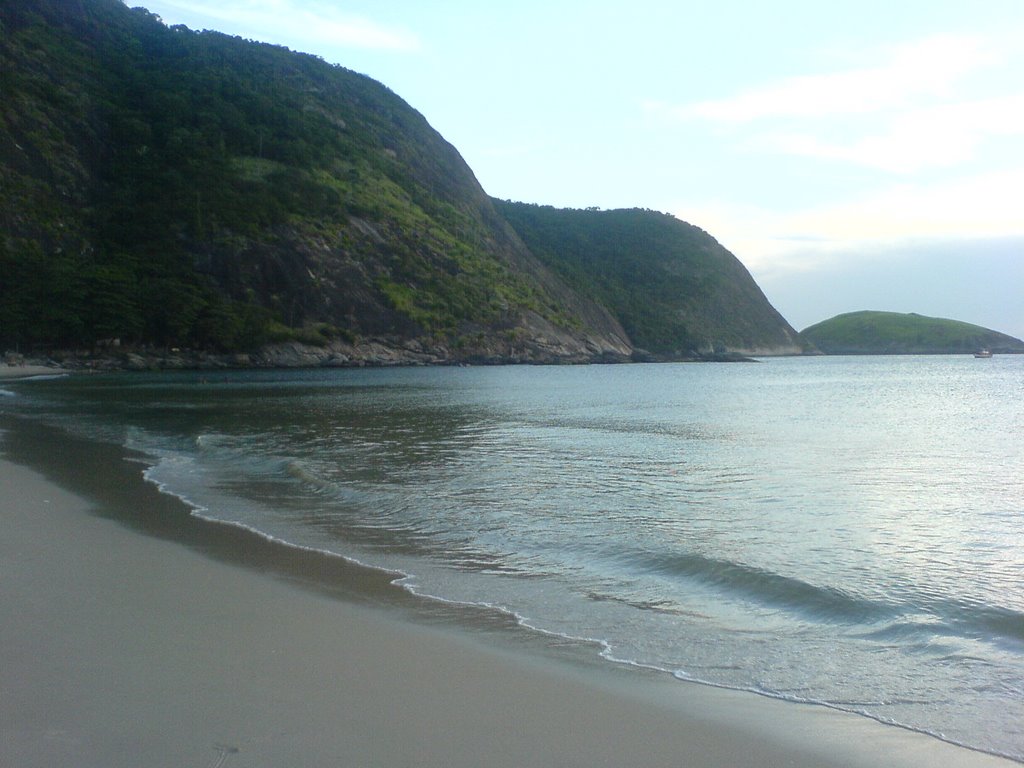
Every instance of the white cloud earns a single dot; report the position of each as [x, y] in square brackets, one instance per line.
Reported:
[930, 137]
[928, 68]
[299, 24]
[917, 109]
[982, 206]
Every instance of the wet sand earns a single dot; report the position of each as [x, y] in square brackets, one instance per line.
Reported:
[128, 645]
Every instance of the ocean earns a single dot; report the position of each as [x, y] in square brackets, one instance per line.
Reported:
[844, 531]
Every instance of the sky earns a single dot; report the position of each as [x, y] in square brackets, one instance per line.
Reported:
[853, 155]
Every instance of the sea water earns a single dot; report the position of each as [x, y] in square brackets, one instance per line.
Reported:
[847, 531]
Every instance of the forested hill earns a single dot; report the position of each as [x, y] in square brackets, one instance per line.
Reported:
[893, 333]
[176, 188]
[671, 285]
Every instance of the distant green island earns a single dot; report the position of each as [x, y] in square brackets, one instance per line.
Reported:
[893, 333]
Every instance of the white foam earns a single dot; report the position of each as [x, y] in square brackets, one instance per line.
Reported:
[44, 377]
[203, 513]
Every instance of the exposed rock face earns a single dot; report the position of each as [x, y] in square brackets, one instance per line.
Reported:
[551, 346]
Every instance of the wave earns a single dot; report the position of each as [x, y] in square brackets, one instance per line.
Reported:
[896, 617]
[886, 620]
[994, 625]
[822, 603]
[903, 618]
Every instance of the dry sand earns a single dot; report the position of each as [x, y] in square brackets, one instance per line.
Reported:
[122, 648]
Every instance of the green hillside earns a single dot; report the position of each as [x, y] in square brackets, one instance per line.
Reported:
[673, 287]
[191, 188]
[171, 188]
[885, 333]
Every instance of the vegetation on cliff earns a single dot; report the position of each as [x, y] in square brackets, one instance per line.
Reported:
[190, 189]
[673, 287]
[892, 333]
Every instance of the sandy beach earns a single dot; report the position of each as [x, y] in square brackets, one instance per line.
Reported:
[27, 371]
[125, 645]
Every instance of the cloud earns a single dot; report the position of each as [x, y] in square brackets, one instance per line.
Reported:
[927, 68]
[902, 116]
[980, 206]
[985, 204]
[304, 24]
[932, 137]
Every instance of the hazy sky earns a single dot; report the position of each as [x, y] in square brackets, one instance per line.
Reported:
[853, 155]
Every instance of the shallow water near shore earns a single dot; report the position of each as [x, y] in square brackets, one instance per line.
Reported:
[844, 531]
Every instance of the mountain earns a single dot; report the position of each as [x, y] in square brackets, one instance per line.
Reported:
[169, 188]
[892, 333]
[673, 287]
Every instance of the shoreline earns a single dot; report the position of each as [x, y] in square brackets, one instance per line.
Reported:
[12, 372]
[130, 648]
[366, 353]
[296, 356]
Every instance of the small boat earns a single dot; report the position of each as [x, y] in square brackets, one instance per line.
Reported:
[983, 353]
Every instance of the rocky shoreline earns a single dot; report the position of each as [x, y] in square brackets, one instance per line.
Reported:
[370, 353]
[367, 354]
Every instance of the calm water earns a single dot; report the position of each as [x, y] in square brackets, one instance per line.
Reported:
[848, 531]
